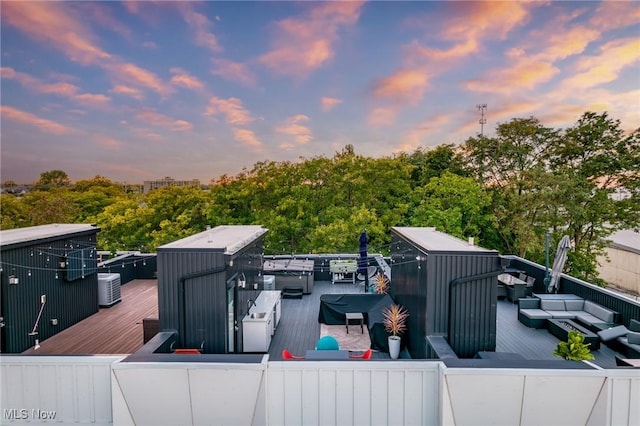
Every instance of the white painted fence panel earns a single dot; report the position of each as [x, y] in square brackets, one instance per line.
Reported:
[372, 392]
[60, 389]
[98, 390]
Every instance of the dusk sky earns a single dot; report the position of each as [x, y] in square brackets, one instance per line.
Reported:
[137, 91]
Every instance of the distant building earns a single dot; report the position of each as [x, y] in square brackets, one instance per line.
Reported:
[167, 181]
[622, 268]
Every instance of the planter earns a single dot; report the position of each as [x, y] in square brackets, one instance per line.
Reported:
[394, 347]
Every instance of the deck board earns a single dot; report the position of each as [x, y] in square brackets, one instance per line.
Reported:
[110, 331]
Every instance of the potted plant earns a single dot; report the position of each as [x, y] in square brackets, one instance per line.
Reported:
[394, 318]
[574, 349]
[380, 283]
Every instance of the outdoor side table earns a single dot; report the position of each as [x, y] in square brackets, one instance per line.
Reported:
[354, 316]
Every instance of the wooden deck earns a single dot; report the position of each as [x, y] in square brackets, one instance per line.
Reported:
[111, 331]
[118, 329]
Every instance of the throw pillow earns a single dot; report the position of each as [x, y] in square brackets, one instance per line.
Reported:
[633, 337]
[612, 333]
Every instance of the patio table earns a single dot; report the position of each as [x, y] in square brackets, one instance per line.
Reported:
[516, 288]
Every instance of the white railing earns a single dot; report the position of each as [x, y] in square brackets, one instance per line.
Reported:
[353, 393]
[56, 389]
[100, 390]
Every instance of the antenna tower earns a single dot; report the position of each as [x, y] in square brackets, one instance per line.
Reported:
[482, 121]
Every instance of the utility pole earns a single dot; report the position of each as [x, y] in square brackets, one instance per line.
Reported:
[482, 121]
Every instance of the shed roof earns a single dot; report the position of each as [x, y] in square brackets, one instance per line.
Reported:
[228, 238]
[37, 233]
[432, 240]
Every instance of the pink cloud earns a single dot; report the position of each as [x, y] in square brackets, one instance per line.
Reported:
[234, 71]
[54, 23]
[100, 15]
[46, 126]
[133, 74]
[231, 108]
[532, 63]
[96, 99]
[182, 78]
[107, 142]
[472, 23]
[614, 15]
[405, 85]
[525, 74]
[62, 89]
[247, 137]
[604, 67]
[66, 89]
[160, 120]
[293, 127]
[127, 91]
[329, 103]
[58, 24]
[200, 25]
[302, 45]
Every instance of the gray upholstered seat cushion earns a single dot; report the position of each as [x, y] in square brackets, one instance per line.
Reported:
[613, 333]
[599, 311]
[552, 305]
[562, 314]
[587, 318]
[574, 305]
[535, 313]
[634, 325]
[633, 337]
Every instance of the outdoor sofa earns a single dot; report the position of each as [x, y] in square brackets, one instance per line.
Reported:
[534, 312]
[622, 339]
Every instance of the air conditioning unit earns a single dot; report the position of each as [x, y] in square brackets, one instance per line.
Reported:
[108, 289]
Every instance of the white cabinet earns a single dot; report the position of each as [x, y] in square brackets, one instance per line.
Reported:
[257, 332]
[256, 335]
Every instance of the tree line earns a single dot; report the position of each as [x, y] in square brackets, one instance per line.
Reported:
[507, 191]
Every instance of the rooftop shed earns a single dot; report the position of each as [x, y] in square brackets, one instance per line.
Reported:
[205, 283]
[448, 285]
[48, 281]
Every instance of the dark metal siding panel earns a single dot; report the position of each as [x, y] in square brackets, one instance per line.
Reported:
[205, 316]
[205, 302]
[473, 309]
[172, 266]
[409, 289]
[38, 270]
[434, 307]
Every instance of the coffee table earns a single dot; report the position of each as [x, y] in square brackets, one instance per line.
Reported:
[561, 327]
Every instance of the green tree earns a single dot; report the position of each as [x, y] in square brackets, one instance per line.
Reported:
[453, 204]
[52, 179]
[508, 165]
[590, 162]
[52, 206]
[13, 212]
[434, 162]
[93, 196]
[144, 222]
